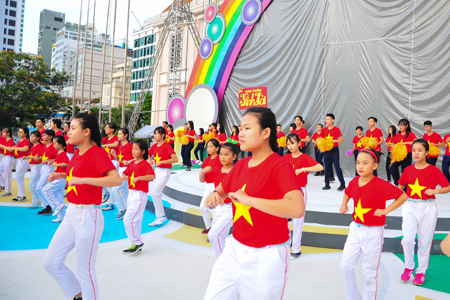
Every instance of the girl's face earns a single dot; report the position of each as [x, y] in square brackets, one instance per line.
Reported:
[227, 157]
[54, 126]
[365, 164]
[33, 139]
[39, 123]
[5, 133]
[121, 136]
[291, 128]
[218, 126]
[66, 128]
[169, 129]
[209, 127]
[108, 130]
[211, 149]
[418, 152]
[77, 134]
[278, 129]
[319, 128]
[137, 152]
[402, 127]
[234, 131]
[293, 146]
[56, 145]
[21, 134]
[213, 129]
[297, 122]
[157, 136]
[390, 130]
[252, 137]
[185, 126]
[46, 138]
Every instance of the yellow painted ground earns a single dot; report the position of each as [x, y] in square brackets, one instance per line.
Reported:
[422, 298]
[196, 212]
[15, 190]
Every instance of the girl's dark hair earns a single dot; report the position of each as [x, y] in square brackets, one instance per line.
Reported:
[67, 123]
[60, 140]
[201, 131]
[293, 137]
[112, 126]
[190, 124]
[377, 154]
[9, 130]
[359, 127]
[394, 131]
[170, 126]
[57, 122]
[37, 134]
[233, 148]
[143, 146]
[161, 131]
[125, 132]
[293, 125]
[90, 122]
[405, 122]
[237, 129]
[215, 143]
[221, 129]
[214, 125]
[26, 131]
[266, 119]
[301, 119]
[50, 132]
[423, 143]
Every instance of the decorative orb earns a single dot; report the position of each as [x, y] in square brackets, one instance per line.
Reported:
[216, 29]
[251, 11]
[206, 48]
[175, 109]
[210, 13]
[202, 106]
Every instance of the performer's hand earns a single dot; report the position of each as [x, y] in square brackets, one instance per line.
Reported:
[52, 177]
[207, 169]
[136, 179]
[54, 164]
[213, 200]
[430, 192]
[343, 209]
[76, 181]
[380, 212]
[157, 164]
[151, 162]
[240, 196]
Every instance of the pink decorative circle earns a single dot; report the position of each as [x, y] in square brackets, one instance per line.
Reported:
[210, 13]
[175, 110]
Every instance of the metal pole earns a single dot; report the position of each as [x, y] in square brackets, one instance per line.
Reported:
[125, 68]
[84, 54]
[76, 62]
[112, 62]
[103, 67]
[92, 58]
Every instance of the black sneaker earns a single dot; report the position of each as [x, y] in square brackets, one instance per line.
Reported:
[15, 199]
[77, 298]
[189, 168]
[332, 179]
[2, 188]
[341, 187]
[322, 173]
[133, 249]
[21, 199]
[205, 231]
[317, 174]
[45, 211]
[295, 255]
[327, 187]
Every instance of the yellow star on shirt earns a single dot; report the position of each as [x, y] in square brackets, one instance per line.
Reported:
[71, 188]
[120, 156]
[329, 137]
[16, 152]
[4, 151]
[359, 211]
[157, 158]
[44, 158]
[390, 143]
[416, 188]
[242, 210]
[131, 180]
[107, 149]
[358, 144]
[31, 156]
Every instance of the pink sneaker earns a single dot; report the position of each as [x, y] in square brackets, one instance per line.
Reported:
[419, 279]
[407, 274]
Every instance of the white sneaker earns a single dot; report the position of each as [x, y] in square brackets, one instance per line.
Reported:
[34, 205]
[198, 162]
[158, 221]
[58, 209]
[58, 219]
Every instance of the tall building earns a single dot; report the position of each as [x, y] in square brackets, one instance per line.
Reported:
[11, 32]
[115, 95]
[143, 51]
[49, 23]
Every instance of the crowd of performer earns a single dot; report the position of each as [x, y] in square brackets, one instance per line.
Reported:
[244, 173]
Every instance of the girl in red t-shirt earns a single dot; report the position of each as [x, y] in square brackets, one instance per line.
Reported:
[110, 143]
[190, 133]
[170, 136]
[35, 165]
[223, 214]
[420, 211]
[7, 162]
[357, 145]
[264, 193]
[405, 137]
[221, 136]
[54, 191]
[392, 131]
[89, 170]
[138, 174]
[213, 160]
[21, 150]
[70, 149]
[302, 164]
[200, 147]
[235, 137]
[365, 238]
[47, 155]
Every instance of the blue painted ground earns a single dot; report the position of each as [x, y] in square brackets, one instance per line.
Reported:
[22, 228]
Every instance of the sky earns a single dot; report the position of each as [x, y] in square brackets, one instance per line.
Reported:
[143, 9]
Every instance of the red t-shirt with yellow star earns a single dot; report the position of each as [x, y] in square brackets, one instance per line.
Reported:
[171, 135]
[236, 138]
[161, 153]
[135, 170]
[434, 138]
[94, 163]
[107, 141]
[42, 133]
[302, 161]
[35, 149]
[218, 176]
[447, 149]
[315, 137]
[302, 133]
[370, 197]
[192, 133]
[215, 162]
[47, 153]
[222, 137]
[390, 140]
[61, 158]
[69, 147]
[271, 180]
[419, 180]
[22, 143]
[9, 143]
[376, 133]
[124, 153]
[399, 137]
[332, 133]
[357, 142]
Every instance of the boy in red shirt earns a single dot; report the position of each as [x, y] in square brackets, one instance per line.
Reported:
[446, 158]
[357, 145]
[318, 156]
[332, 157]
[374, 132]
[279, 135]
[434, 139]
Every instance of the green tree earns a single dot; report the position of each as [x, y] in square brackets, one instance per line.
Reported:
[28, 88]
[147, 106]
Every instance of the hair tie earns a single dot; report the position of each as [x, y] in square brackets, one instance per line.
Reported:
[371, 152]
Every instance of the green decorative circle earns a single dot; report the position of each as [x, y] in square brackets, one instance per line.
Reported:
[216, 29]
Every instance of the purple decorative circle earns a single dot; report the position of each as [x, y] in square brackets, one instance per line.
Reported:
[251, 11]
[210, 13]
[175, 109]
[206, 48]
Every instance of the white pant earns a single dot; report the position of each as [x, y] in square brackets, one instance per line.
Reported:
[6, 172]
[21, 167]
[43, 180]
[367, 243]
[298, 227]
[54, 194]
[132, 221]
[70, 155]
[112, 199]
[243, 272]
[223, 220]
[81, 229]
[120, 193]
[203, 208]
[162, 175]
[420, 218]
[34, 179]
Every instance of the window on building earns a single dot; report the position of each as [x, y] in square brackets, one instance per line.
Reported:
[6, 5]
[136, 43]
[10, 42]
[4, 40]
[117, 80]
[13, 3]
[6, 21]
[4, 30]
[11, 32]
[12, 13]
[58, 19]
[47, 27]
[6, 12]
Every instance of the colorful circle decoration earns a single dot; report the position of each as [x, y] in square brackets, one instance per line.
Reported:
[210, 13]
[175, 109]
[202, 106]
[206, 48]
[251, 11]
[216, 29]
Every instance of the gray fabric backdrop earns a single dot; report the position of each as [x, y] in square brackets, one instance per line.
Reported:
[356, 59]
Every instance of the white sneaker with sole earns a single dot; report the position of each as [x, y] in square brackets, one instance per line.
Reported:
[58, 219]
[158, 221]
[34, 205]
[58, 209]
